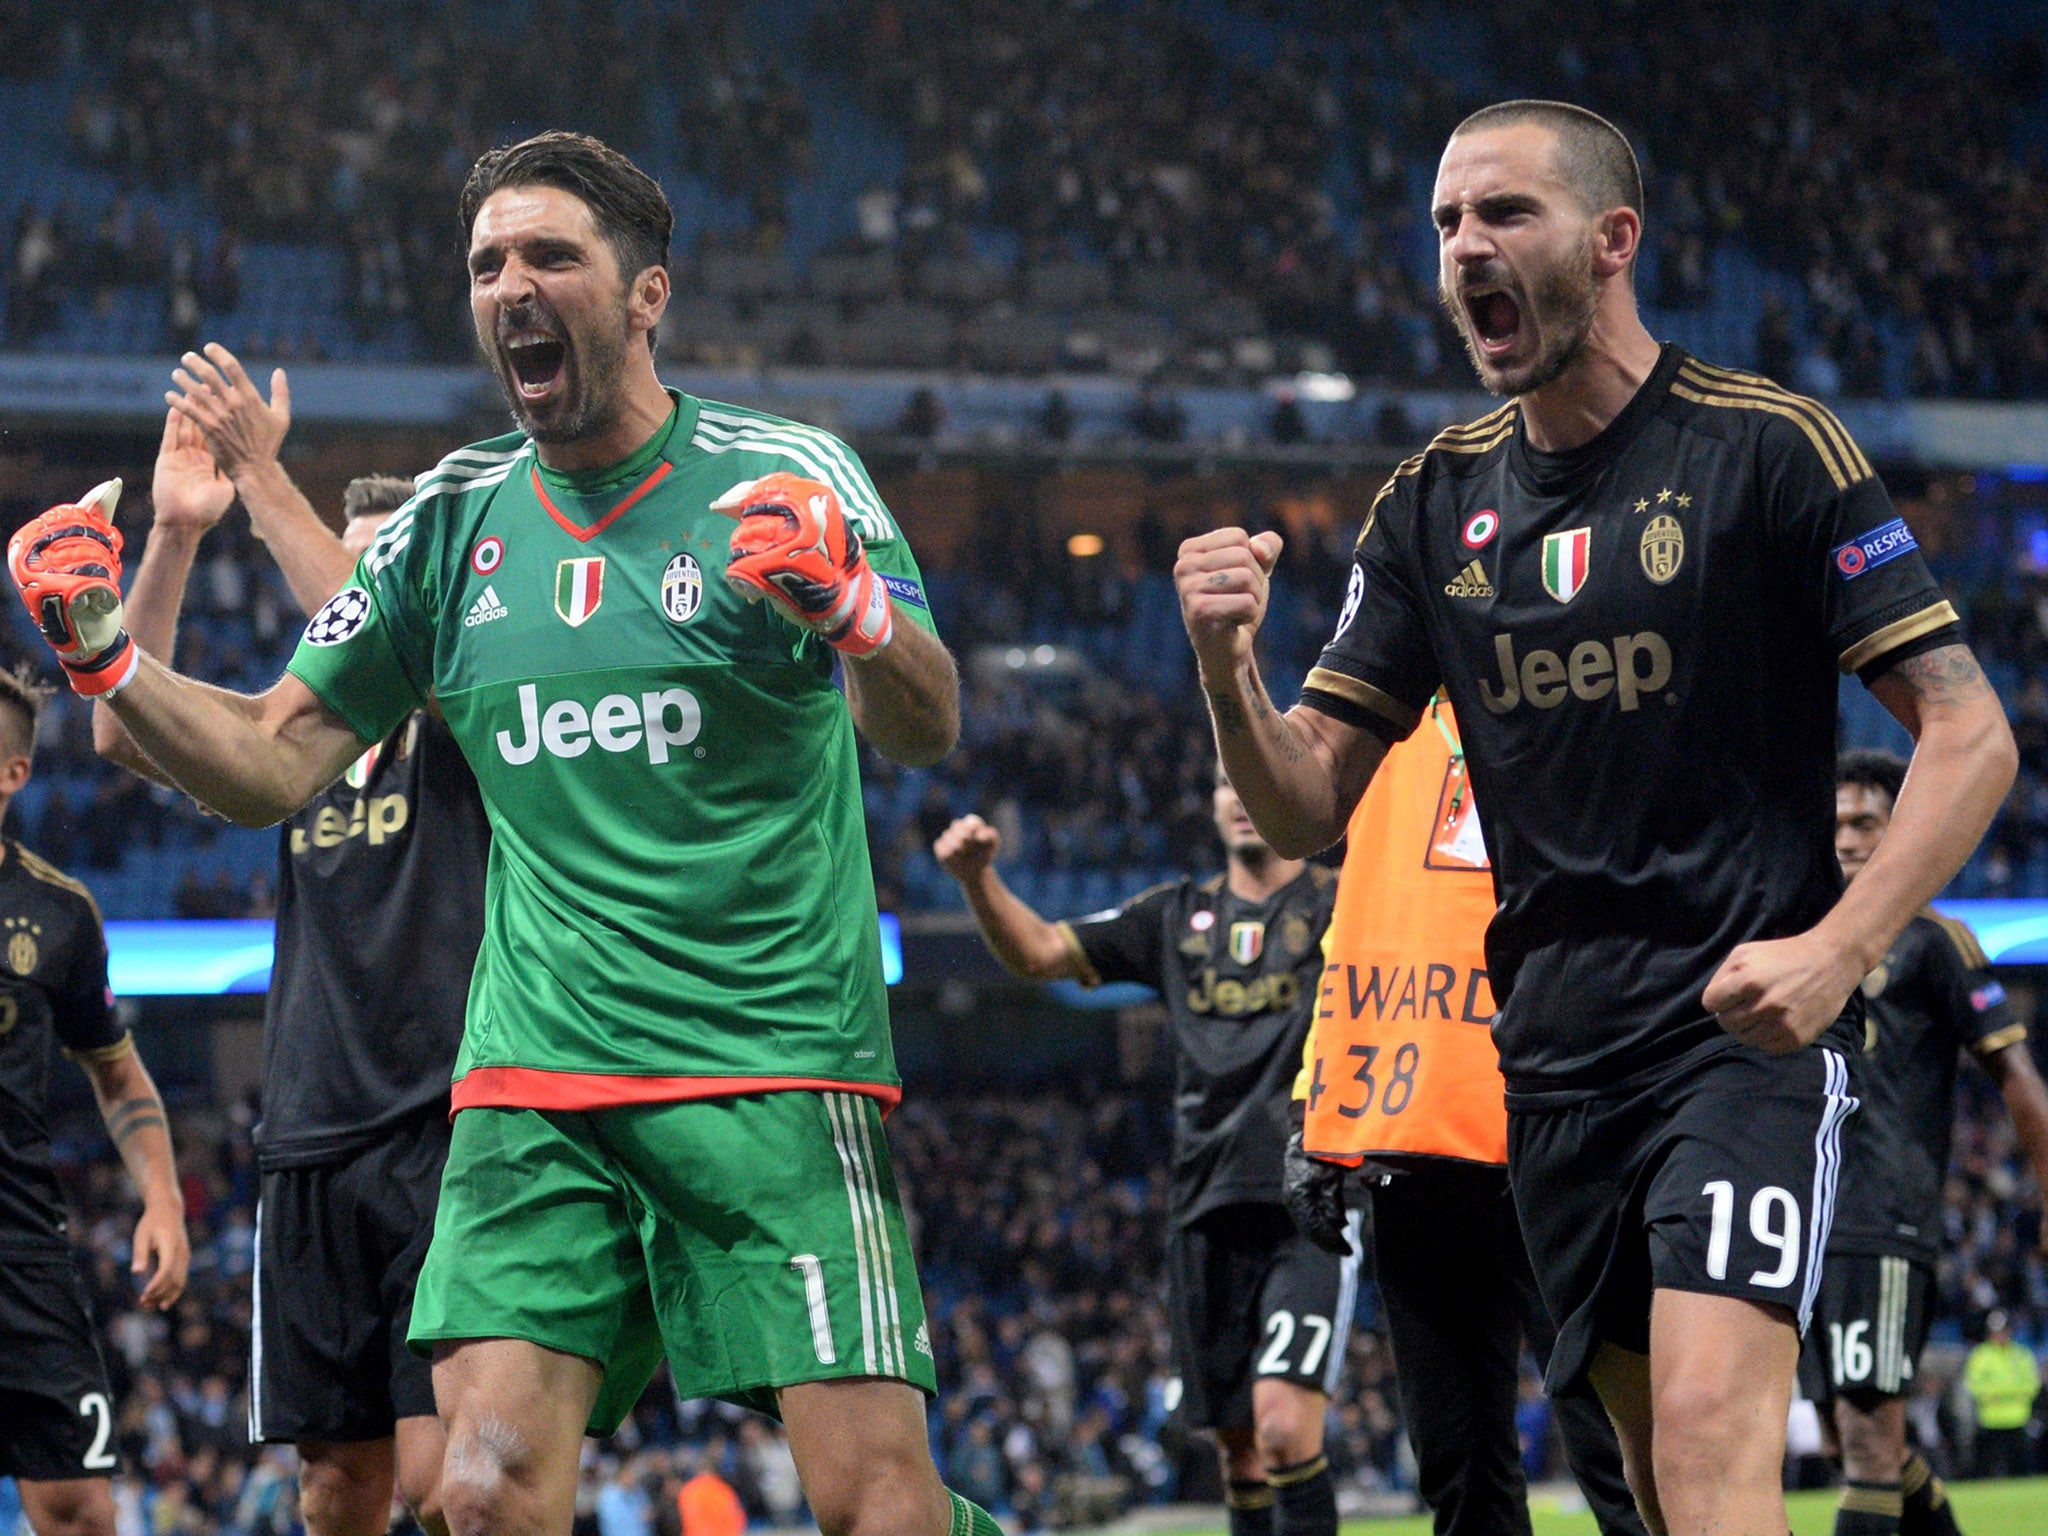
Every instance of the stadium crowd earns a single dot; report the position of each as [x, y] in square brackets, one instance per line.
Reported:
[1039, 1224]
[1249, 212]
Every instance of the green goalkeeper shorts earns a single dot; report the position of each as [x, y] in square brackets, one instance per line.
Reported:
[758, 1242]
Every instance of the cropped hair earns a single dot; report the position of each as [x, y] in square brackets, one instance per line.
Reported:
[368, 495]
[631, 210]
[22, 697]
[1872, 769]
[1593, 155]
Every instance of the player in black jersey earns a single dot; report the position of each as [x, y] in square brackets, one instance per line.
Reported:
[1930, 998]
[1260, 1314]
[1636, 582]
[56, 1413]
[379, 915]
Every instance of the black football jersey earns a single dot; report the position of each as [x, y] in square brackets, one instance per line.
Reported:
[1931, 997]
[380, 909]
[1239, 979]
[1641, 638]
[53, 995]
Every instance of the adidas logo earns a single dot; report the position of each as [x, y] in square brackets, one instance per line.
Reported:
[922, 1343]
[1470, 582]
[485, 608]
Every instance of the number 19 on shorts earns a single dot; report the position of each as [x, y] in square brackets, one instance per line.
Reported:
[1774, 1223]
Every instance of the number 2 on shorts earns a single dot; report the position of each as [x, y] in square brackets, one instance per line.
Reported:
[99, 1458]
[1781, 1233]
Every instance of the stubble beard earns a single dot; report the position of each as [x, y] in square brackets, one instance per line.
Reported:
[1565, 295]
[594, 367]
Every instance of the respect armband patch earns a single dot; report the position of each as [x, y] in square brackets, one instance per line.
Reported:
[1885, 542]
[905, 590]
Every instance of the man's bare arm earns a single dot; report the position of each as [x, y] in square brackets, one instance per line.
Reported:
[1299, 774]
[152, 607]
[315, 564]
[188, 495]
[141, 1133]
[244, 435]
[1963, 764]
[1780, 994]
[2026, 1100]
[1025, 943]
[906, 697]
[254, 759]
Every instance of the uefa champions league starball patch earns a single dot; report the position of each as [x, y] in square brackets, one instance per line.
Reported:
[339, 617]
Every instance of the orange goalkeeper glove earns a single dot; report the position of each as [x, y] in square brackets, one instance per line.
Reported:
[67, 564]
[795, 547]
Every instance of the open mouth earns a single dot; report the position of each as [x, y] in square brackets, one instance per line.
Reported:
[536, 361]
[1496, 319]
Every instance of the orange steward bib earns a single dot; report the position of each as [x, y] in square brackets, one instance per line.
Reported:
[1399, 1058]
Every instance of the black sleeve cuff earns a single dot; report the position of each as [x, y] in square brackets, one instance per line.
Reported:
[1355, 715]
[1919, 645]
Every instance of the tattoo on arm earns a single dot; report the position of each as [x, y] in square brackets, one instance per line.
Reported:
[1944, 674]
[1229, 718]
[1290, 740]
[130, 1116]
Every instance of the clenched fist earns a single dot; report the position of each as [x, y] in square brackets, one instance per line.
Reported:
[967, 847]
[1224, 577]
[1779, 994]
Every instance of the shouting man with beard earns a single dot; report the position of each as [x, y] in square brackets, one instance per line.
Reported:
[1635, 582]
[667, 1132]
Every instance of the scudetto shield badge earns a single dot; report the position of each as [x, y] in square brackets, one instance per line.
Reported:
[1247, 942]
[1662, 548]
[579, 588]
[1566, 557]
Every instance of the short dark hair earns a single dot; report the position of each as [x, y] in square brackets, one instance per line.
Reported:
[368, 495]
[631, 210]
[22, 697]
[1592, 154]
[1872, 769]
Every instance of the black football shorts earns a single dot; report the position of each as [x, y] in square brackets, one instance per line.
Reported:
[1870, 1323]
[1252, 1298]
[338, 1253]
[1718, 1178]
[56, 1414]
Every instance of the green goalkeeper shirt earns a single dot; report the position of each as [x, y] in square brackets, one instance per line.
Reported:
[679, 903]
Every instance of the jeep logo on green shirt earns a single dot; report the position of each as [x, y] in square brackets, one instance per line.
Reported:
[616, 723]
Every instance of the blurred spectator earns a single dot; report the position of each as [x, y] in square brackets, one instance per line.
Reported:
[2003, 1379]
[708, 1506]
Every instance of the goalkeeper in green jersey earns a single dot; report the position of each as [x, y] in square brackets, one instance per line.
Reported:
[668, 1132]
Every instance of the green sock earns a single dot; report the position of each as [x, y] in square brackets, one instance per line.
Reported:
[1869, 1509]
[971, 1519]
[1927, 1509]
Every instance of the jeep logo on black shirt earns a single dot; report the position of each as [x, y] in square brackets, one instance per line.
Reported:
[1636, 665]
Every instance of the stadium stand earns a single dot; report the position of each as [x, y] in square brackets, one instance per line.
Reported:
[850, 190]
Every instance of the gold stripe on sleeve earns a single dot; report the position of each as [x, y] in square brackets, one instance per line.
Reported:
[1089, 977]
[121, 1047]
[1894, 635]
[1754, 384]
[1806, 424]
[1364, 695]
[1998, 1040]
[1959, 934]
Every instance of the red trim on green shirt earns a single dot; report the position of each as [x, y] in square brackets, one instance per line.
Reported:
[540, 1088]
[587, 534]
